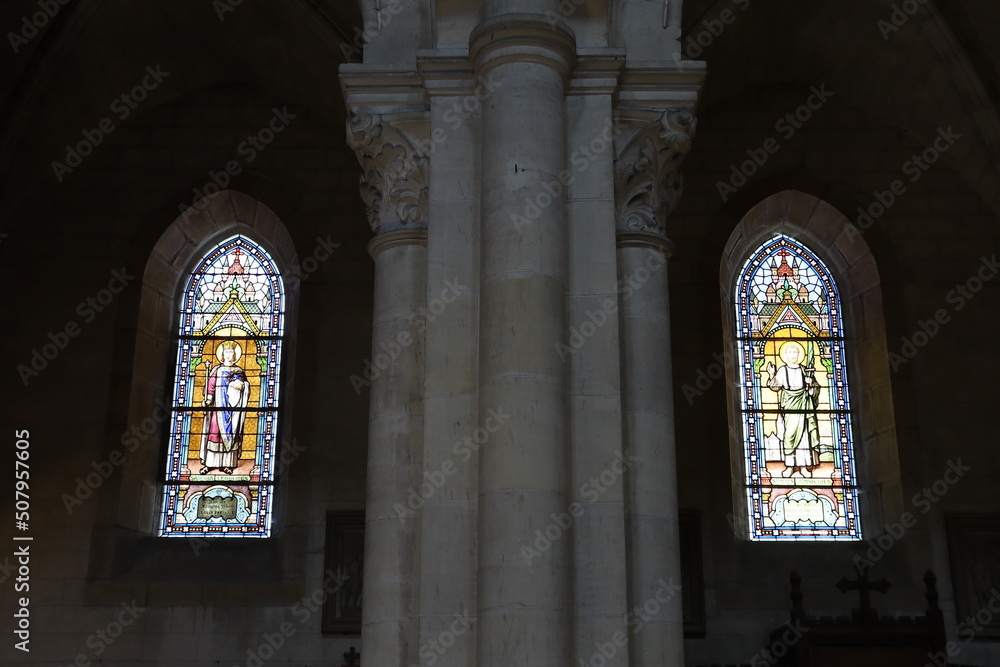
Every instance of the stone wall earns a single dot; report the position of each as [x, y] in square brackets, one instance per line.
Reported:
[931, 239]
[65, 243]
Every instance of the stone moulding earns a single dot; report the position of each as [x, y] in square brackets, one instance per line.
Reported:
[394, 171]
[648, 182]
[522, 38]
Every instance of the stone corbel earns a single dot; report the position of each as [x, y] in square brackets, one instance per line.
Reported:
[648, 181]
[394, 169]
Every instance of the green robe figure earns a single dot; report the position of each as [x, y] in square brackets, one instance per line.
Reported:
[798, 396]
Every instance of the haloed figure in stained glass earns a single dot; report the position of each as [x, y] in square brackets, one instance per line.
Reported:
[220, 459]
[798, 397]
[228, 390]
[793, 390]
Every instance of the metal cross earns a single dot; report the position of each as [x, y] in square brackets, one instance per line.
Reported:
[864, 588]
[351, 658]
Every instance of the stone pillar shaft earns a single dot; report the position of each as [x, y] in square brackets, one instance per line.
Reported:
[394, 188]
[395, 437]
[648, 430]
[648, 185]
[523, 615]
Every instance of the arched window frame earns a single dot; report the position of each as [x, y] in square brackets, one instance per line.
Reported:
[232, 318]
[823, 230]
[181, 246]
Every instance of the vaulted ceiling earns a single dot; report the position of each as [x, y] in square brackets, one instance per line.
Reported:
[64, 78]
[939, 68]
[934, 69]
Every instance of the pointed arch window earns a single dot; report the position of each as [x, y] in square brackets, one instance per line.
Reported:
[794, 397]
[219, 476]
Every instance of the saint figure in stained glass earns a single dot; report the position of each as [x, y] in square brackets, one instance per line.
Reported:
[798, 397]
[229, 390]
[223, 431]
[794, 398]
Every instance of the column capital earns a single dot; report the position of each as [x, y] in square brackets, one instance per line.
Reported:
[392, 150]
[522, 38]
[648, 182]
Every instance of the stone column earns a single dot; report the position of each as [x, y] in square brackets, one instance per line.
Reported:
[394, 189]
[523, 603]
[452, 435]
[647, 186]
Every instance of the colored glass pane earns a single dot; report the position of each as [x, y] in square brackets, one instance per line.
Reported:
[224, 413]
[794, 397]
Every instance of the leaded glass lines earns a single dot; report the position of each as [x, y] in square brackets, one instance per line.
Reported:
[794, 398]
[223, 432]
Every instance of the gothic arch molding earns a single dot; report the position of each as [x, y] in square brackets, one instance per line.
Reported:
[178, 248]
[828, 233]
[937, 53]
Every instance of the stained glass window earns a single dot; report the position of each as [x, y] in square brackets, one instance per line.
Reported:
[794, 399]
[224, 418]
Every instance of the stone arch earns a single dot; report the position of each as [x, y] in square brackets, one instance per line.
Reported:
[828, 233]
[180, 246]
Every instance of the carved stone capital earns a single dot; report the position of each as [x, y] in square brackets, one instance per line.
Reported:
[648, 181]
[394, 169]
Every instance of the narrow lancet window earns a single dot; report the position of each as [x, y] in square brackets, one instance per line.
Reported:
[223, 425]
[794, 397]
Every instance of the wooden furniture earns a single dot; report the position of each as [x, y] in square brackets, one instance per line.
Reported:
[863, 640]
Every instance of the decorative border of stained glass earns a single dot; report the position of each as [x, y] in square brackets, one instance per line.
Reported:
[219, 475]
[794, 397]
